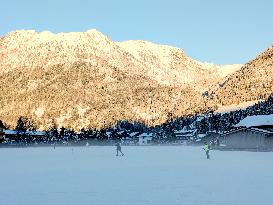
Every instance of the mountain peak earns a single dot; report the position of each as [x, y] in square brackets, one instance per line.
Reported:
[94, 31]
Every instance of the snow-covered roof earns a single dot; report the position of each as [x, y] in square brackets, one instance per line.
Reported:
[120, 132]
[33, 133]
[233, 131]
[36, 133]
[199, 118]
[133, 134]
[256, 120]
[185, 135]
[10, 132]
[201, 135]
[183, 131]
[145, 135]
[250, 129]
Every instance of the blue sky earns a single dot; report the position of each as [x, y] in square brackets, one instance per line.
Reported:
[223, 32]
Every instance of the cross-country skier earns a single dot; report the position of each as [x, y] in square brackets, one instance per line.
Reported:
[206, 148]
[118, 146]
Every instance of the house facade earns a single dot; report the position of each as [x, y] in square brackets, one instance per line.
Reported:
[145, 138]
[253, 132]
[185, 135]
[13, 135]
[248, 138]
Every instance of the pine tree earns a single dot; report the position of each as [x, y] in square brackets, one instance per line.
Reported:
[204, 126]
[52, 131]
[2, 125]
[21, 125]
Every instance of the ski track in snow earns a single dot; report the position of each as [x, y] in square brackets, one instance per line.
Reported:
[146, 175]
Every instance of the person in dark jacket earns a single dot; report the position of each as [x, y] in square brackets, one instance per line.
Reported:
[118, 146]
[218, 142]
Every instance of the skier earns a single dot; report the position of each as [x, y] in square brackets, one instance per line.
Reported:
[206, 148]
[119, 148]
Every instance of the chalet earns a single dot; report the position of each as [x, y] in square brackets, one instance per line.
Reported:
[183, 136]
[144, 138]
[10, 135]
[253, 133]
[133, 138]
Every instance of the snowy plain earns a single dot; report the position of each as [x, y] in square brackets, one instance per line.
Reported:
[146, 175]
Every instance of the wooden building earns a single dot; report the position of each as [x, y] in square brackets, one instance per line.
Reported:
[13, 135]
[145, 138]
[252, 133]
[247, 138]
[183, 136]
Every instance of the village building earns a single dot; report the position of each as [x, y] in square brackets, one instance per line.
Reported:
[133, 138]
[212, 138]
[10, 136]
[251, 133]
[129, 138]
[184, 136]
[144, 138]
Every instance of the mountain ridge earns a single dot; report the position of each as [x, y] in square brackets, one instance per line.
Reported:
[78, 78]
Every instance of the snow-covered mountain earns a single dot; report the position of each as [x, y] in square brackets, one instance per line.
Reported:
[252, 83]
[172, 66]
[85, 79]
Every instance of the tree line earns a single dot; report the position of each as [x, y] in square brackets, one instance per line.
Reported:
[123, 130]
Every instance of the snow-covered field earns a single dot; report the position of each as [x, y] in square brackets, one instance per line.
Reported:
[152, 175]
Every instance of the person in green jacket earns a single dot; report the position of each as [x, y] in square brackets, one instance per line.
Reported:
[206, 148]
